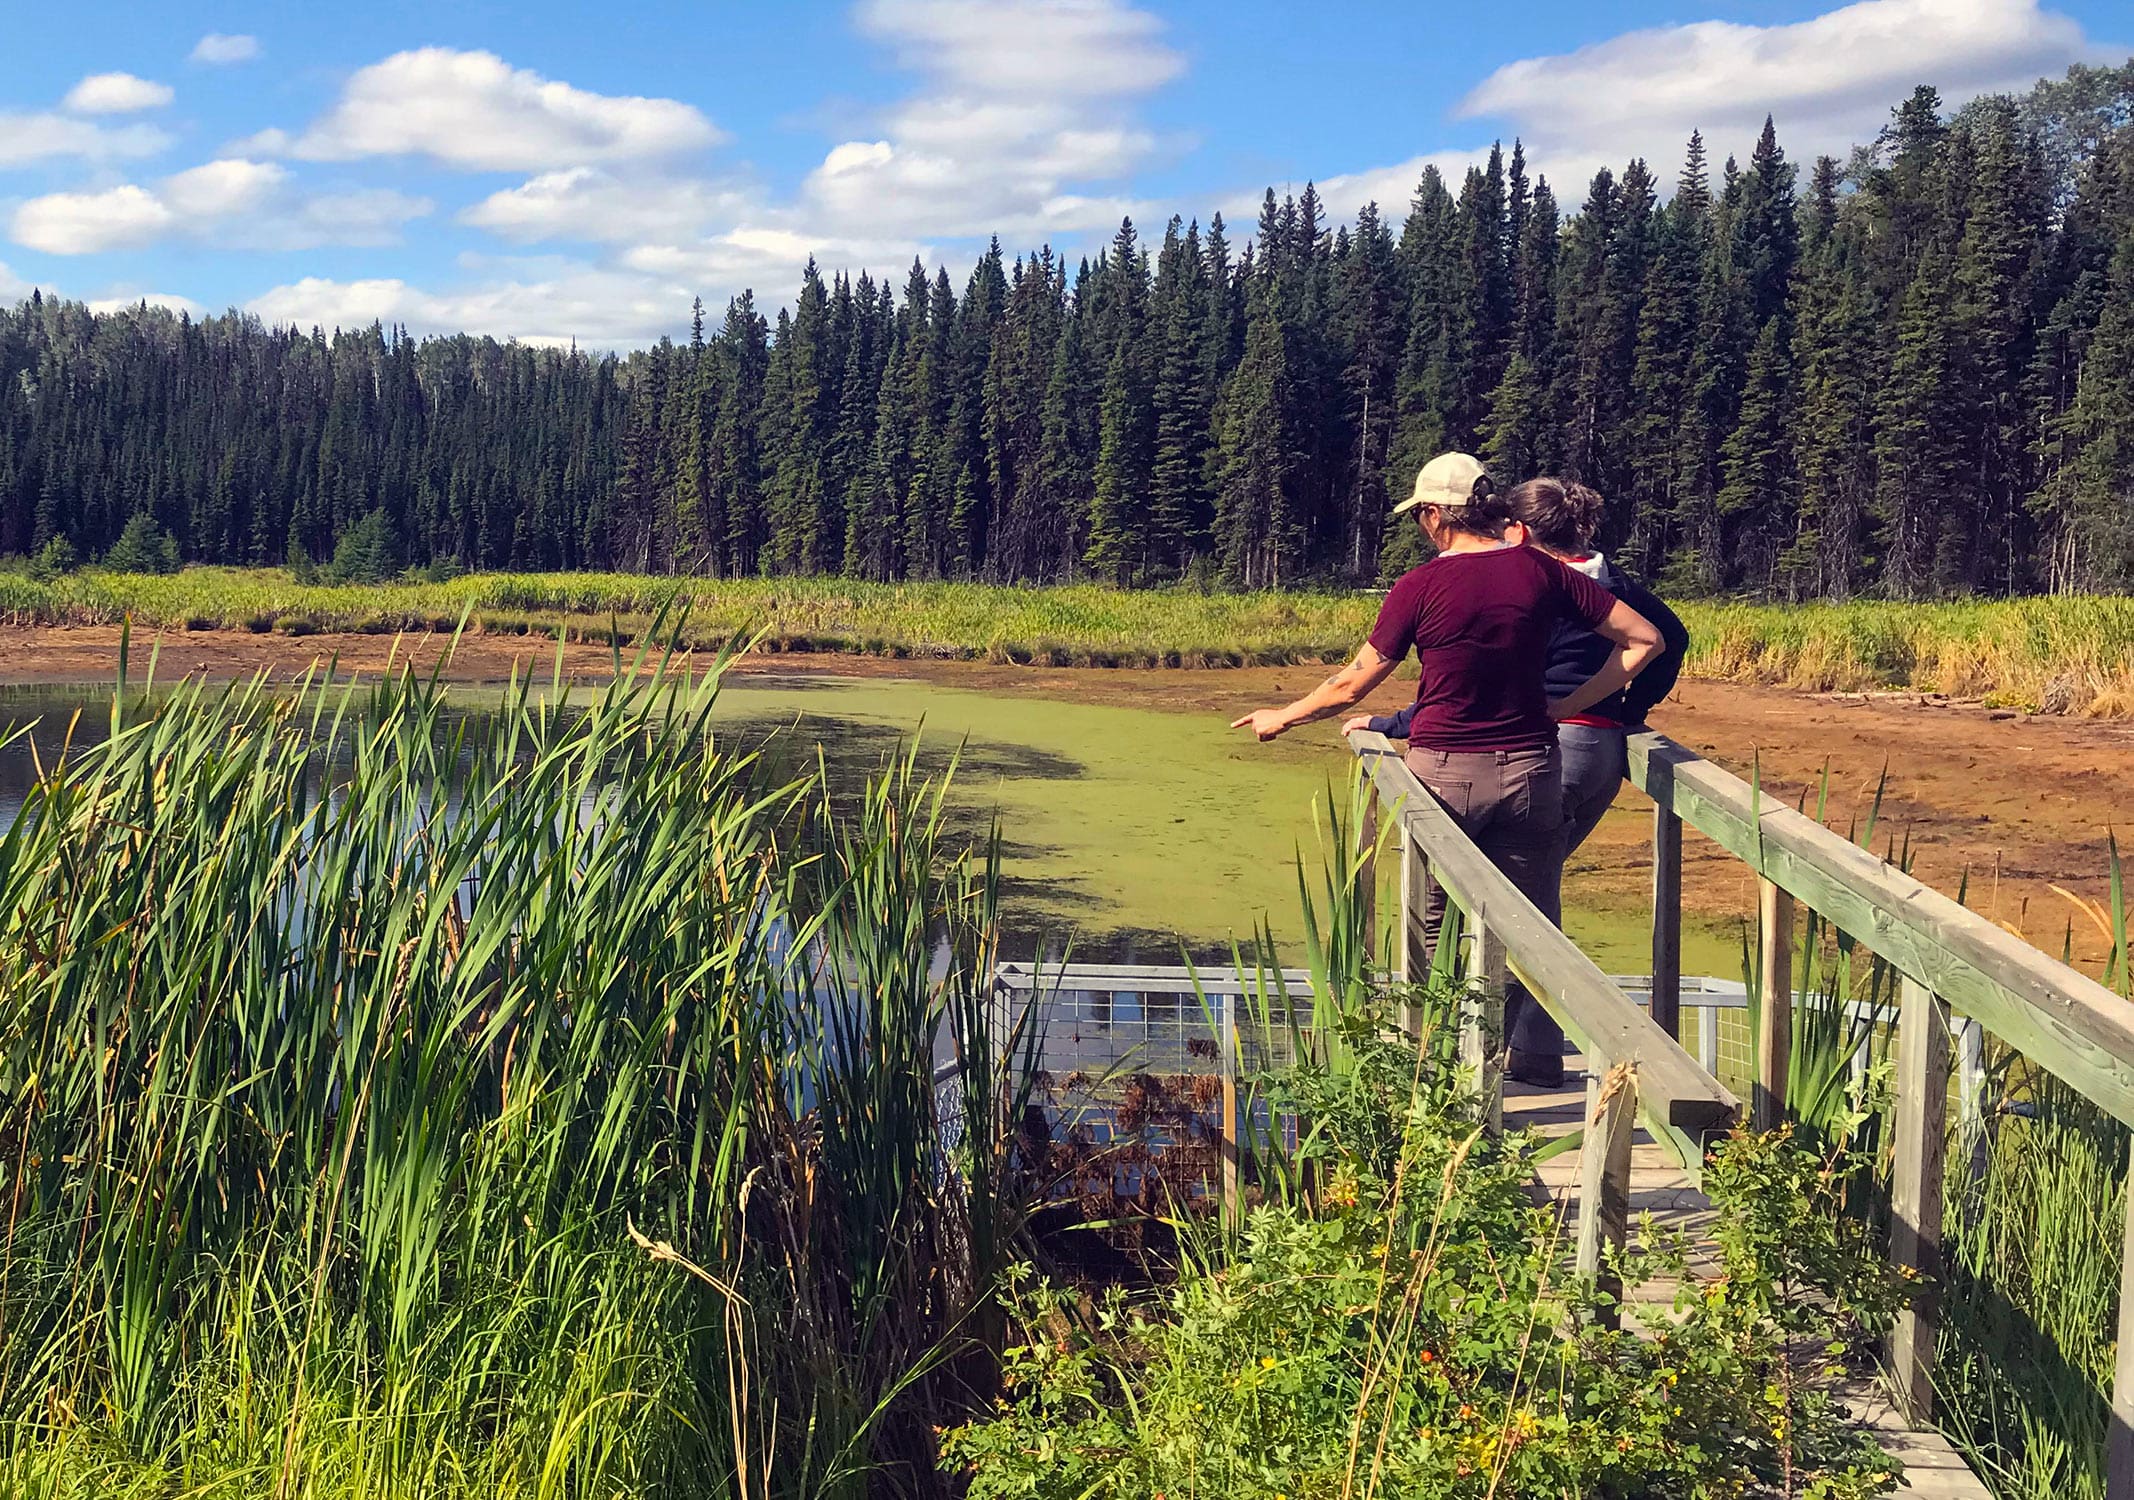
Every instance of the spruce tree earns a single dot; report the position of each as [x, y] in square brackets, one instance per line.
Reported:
[1180, 509]
[1258, 527]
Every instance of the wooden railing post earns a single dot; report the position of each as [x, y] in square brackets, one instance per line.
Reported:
[1233, 1202]
[1367, 870]
[1774, 1027]
[1604, 1175]
[1482, 1014]
[2119, 1436]
[1411, 951]
[1667, 920]
[1920, 1144]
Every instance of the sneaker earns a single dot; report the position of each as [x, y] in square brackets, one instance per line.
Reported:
[1539, 1069]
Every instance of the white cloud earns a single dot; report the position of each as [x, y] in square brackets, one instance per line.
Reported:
[1003, 136]
[590, 203]
[1055, 48]
[1023, 123]
[370, 216]
[1828, 81]
[769, 256]
[26, 138]
[233, 203]
[116, 94]
[82, 223]
[168, 301]
[13, 288]
[230, 186]
[475, 111]
[218, 48]
[563, 304]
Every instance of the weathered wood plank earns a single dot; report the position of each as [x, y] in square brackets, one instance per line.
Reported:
[1367, 869]
[1482, 1017]
[1411, 948]
[1233, 1196]
[1684, 1102]
[1666, 1008]
[1916, 1188]
[2119, 1437]
[2064, 1021]
[1774, 1014]
[1604, 1174]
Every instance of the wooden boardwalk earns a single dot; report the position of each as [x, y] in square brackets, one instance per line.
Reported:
[1932, 1468]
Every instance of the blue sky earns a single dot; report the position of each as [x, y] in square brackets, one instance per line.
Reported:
[550, 172]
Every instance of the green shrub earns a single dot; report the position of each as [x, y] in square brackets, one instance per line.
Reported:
[1413, 1330]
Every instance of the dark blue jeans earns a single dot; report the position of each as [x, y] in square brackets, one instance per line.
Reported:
[1594, 765]
[1595, 762]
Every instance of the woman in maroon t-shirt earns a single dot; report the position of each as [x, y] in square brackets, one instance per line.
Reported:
[1479, 616]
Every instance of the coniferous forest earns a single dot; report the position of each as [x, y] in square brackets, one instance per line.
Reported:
[1907, 374]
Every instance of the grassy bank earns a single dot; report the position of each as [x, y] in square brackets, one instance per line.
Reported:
[2063, 655]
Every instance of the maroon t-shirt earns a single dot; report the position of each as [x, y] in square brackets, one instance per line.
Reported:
[1480, 623]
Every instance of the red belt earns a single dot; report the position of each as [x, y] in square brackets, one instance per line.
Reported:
[1591, 721]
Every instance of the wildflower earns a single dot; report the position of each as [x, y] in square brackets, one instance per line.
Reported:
[1267, 1361]
[1427, 1356]
[1466, 1412]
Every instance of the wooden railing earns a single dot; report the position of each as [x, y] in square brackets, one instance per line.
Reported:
[1505, 935]
[1952, 962]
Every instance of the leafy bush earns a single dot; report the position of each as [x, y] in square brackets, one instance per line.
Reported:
[1412, 1329]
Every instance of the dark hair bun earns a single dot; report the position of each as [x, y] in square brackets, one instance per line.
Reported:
[1560, 513]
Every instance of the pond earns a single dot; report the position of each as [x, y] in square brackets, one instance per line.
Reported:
[1128, 831]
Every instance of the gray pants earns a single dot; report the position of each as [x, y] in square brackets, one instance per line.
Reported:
[1510, 802]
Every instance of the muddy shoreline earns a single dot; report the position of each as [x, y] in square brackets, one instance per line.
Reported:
[2015, 804]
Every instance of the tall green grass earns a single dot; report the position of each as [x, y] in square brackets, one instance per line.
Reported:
[395, 1105]
[2065, 654]
[1067, 626]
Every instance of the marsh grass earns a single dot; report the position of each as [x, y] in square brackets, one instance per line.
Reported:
[400, 1105]
[2071, 654]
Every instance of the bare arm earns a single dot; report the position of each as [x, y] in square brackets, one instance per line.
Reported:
[1638, 645]
[1347, 687]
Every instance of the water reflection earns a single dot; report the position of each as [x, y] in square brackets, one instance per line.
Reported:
[1076, 874]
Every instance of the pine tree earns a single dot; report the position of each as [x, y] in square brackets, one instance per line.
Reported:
[1834, 342]
[1992, 322]
[1067, 456]
[1436, 358]
[691, 546]
[1369, 297]
[1180, 509]
[2091, 493]
[735, 479]
[1660, 360]
[1914, 431]
[1258, 530]
[1119, 535]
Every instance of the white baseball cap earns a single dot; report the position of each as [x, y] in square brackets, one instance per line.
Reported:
[1448, 480]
